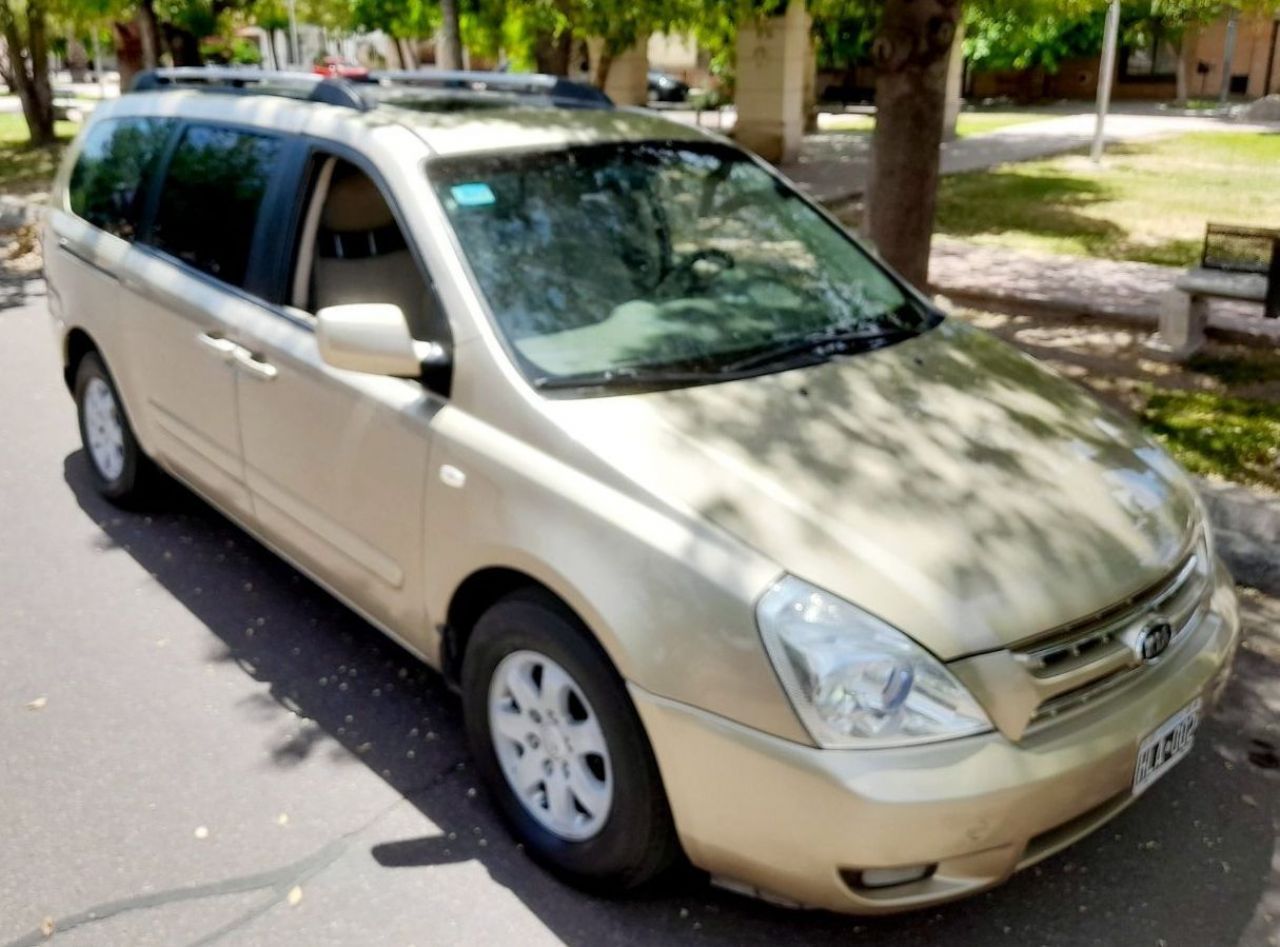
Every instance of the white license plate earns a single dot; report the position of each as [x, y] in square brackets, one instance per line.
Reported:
[1167, 744]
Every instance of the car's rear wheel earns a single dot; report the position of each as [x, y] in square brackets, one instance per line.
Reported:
[120, 471]
[557, 740]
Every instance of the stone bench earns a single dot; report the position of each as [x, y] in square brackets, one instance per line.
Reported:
[1184, 311]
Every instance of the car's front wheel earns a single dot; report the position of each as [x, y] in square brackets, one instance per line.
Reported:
[557, 740]
[120, 470]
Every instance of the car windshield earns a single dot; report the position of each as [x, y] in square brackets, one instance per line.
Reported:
[627, 262]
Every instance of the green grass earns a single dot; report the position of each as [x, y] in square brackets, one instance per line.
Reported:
[1211, 433]
[1149, 202]
[21, 166]
[967, 126]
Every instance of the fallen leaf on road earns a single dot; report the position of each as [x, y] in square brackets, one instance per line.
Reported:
[295, 896]
[47, 926]
[282, 819]
[202, 832]
[38, 703]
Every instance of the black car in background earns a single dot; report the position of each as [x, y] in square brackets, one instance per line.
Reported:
[664, 87]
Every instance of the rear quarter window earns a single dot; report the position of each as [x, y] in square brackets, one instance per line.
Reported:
[108, 182]
[210, 199]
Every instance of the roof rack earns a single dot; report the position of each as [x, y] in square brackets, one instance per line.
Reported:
[556, 89]
[304, 86]
[347, 93]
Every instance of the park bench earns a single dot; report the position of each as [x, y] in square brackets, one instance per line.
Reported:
[1241, 263]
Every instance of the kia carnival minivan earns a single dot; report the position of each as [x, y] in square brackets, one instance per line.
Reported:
[735, 547]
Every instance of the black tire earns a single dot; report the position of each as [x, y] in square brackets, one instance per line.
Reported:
[637, 842]
[137, 478]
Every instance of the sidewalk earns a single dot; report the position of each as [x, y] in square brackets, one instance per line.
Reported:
[970, 274]
[833, 166]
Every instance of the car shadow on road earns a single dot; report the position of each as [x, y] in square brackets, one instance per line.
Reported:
[1190, 864]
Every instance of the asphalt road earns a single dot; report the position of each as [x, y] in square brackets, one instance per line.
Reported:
[198, 746]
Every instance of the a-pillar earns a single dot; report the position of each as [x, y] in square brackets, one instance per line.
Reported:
[772, 59]
[628, 79]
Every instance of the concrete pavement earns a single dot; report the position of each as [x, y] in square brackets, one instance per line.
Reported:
[199, 746]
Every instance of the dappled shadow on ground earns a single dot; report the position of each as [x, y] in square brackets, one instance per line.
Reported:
[18, 290]
[1220, 412]
[1188, 865]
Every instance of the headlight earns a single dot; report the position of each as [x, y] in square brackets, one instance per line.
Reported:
[855, 681]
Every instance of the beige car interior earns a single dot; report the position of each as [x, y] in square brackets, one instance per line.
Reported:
[353, 251]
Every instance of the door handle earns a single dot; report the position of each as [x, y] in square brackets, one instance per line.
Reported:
[222, 346]
[256, 367]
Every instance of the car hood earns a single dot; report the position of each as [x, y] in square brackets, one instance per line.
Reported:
[949, 484]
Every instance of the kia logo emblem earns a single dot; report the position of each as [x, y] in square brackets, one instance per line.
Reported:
[1154, 640]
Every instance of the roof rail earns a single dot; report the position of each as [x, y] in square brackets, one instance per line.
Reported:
[304, 86]
[557, 89]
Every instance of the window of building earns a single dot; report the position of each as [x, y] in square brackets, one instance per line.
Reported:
[1151, 56]
[210, 199]
[107, 183]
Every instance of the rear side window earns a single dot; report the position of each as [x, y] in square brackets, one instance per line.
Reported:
[108, 183]
[210, 199]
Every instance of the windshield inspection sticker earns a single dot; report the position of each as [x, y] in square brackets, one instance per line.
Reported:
[472, 195]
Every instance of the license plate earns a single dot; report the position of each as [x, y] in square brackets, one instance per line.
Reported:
[1170, 742]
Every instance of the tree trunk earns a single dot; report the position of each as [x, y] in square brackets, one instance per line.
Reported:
[29, 64]
[551, 53]
[271, 48]
[910, 53]
[77, 57]
[602, 66]
[128, 44]
[183, 46]
[449, 48]
[1182, 70]
[148, 35]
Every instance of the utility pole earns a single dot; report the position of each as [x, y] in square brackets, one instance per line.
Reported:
[1106, 74]
[1229, 54]
[295, 54]
[97, 63]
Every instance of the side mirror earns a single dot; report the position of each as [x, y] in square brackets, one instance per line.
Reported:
[373, 338]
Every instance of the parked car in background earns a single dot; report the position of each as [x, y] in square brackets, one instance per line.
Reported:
[664, 87]
[737, 548]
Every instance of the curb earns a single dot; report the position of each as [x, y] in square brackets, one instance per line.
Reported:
[1247, 529]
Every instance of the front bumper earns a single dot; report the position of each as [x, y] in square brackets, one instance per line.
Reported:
[798, 824]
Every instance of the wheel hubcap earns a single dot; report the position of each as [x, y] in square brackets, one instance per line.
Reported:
[550, 745]
[103, 429]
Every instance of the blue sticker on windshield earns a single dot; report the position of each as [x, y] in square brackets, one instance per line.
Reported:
[478, 194]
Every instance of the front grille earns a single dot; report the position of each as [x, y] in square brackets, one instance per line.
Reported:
[1079, 663]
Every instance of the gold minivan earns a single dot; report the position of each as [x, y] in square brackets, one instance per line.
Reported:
[737, 549]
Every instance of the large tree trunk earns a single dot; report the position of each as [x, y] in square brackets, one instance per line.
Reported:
[148, 35]
[128, 44]
[77, 57]
[603, 65]
[910, 53]
[29, 64]
[449, 50]
[182, 45]
[552, 53]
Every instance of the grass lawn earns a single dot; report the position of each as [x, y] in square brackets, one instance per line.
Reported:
[1149, 202]
[1219, 415]
[968, 125]
[23, 168]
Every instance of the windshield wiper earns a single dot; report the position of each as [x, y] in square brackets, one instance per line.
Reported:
[625, 377]
[818, 347]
